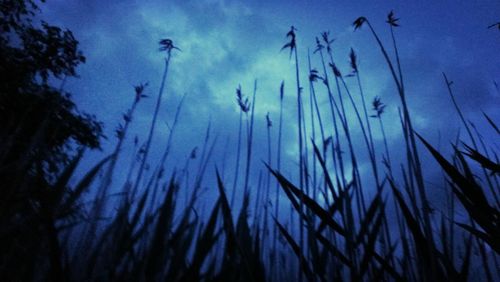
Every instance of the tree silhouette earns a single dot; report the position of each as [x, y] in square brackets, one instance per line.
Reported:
[38, 118]
[40, 133]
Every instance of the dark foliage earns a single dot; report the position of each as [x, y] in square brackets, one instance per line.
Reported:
[41, 129]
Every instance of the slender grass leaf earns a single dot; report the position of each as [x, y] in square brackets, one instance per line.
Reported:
[296, 249]
[333, 250]
[310, 203]
[84, 183]
[490, 121]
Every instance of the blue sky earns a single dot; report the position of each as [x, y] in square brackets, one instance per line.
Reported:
[228, 43]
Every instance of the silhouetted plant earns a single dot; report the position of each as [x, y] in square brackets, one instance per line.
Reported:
[42, 139]
[166, 45]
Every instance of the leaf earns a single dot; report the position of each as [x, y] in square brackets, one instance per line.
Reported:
[369, 247]
[226, 214]
[412, 223]
[204, 245]
[231, 238]
[385, 263]
[375, 206]
[482, 160]
[322, 162]
[296, 249]
[468, 186]
[495, 25]
[490, 121]
[494, 242]
[308, 202]
[84, 183]
[62, 181]
[471, 195]
[334, 250]
[464, 269]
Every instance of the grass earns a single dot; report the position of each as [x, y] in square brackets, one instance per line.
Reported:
[341, 226]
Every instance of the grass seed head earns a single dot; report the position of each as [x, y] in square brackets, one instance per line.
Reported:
[292, 44]
[242, 101]
[378, 107]
[167, 45]
[139, 89]
[353, 60]
[282, 90]
[319, 46]
[268, 120]
[336, 71]
[358, 23]
[193, 153]
[326, 39]
[391, 20]
[314, 76]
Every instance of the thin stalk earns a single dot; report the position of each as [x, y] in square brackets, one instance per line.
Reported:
[301, 156]
[121, 137]
[336, 144]
[171, 134]
[366, 136]
[471, 136]
[313, 127]
[367, 119]
[388, 158]
[250, 140]
[153, 125]
[278, 166]
[238, 153]
[268, 184]
[417, 168]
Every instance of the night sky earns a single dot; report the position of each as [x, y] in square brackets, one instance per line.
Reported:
[229, 43]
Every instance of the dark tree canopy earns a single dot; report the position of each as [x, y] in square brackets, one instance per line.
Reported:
[41, 132]
[37, 117]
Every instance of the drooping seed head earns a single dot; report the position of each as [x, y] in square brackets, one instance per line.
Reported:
[193, 153]
[358, 23]
[268, 120]
[292, 44]
[314, 76]
[282, 90]
[167, 45]
[353, 60]
[336, 71]
[242, 101]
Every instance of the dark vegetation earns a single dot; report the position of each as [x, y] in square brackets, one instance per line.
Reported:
[340, 227]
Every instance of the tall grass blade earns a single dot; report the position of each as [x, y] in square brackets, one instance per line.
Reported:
[323, 215]
[297, 250]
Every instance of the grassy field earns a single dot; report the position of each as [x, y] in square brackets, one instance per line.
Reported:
[352, 211]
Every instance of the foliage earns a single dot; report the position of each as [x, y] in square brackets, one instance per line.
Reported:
[41, 130]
